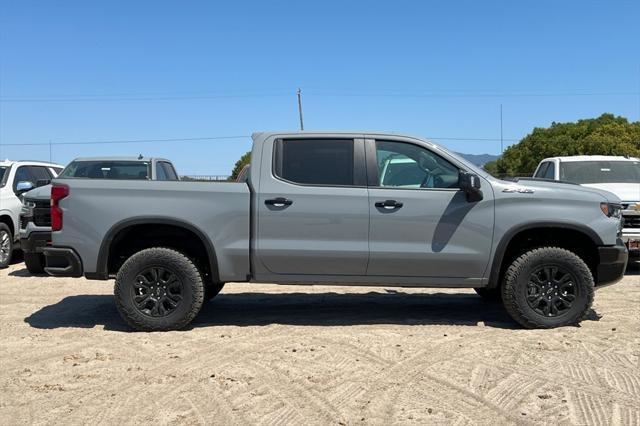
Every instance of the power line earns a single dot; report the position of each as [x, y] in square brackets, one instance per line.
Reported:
[313, 93]
[128, 141]
[165, 98]
[473, 95]
[210, 138]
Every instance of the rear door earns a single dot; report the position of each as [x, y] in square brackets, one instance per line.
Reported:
[312, 207]
[421, 222]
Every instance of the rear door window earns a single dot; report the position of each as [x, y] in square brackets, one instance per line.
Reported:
[315, 161]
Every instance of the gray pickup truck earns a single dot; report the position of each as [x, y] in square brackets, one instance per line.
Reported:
[340, 209]
[35, 215]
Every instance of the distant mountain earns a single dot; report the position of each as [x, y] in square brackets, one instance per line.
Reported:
[479, 159]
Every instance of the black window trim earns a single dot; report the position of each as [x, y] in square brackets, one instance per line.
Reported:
[372, 165]
[359, 167]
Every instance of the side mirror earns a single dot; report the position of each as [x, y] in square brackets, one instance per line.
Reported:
[24, 186]
[470, 184]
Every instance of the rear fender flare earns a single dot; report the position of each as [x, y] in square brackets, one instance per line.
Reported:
[103, 254]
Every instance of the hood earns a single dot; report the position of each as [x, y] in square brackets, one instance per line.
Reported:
[624, 191]
[569, 189]
[40, 193]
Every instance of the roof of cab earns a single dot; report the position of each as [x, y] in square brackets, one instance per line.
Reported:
[576, 158]
[121, 158]
[338, 133]
[8, 162]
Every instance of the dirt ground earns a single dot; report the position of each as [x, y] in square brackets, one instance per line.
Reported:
[266, 354]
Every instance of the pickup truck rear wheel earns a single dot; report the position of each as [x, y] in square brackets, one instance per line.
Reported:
[6, 245]
[548, 287]
[158, 289]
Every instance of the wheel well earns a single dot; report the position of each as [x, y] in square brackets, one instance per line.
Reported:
[6, 219]
[135, 238]
[570, 239]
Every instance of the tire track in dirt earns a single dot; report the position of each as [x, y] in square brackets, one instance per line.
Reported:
[134, 387]
[406, 370]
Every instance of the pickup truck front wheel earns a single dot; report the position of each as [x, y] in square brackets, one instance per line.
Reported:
[548, 287]
[6, 246]
[158, 289]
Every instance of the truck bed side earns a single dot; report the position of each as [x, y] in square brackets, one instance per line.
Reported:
[94, 211]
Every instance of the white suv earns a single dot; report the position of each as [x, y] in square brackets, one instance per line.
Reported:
[620, 175]
[16, 178]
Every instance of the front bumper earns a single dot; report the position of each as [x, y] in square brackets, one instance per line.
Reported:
[35, 242]
[612, 264]
[62, 262]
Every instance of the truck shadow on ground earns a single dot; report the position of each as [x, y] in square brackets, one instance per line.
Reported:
[302, 309]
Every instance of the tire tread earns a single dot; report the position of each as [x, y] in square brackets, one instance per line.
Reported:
[511, 280]
[137, 322]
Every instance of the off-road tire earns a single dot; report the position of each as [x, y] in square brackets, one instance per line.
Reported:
[4, 228]
[35, 262]
[517, 276]
[211, 290]
[489, 294]
[173, 261]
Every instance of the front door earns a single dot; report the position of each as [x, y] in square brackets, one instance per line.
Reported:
[421, 222]
[313, 207]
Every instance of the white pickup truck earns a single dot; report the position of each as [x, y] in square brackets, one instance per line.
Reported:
[16, 178]
[619, 175]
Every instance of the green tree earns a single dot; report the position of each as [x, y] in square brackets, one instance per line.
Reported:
[605, 135]
[243, 161]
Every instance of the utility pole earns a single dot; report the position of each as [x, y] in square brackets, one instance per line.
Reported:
[300, 109]
[50, 150]
[501, 139]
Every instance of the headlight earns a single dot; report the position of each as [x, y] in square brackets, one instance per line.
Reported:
[611, 209]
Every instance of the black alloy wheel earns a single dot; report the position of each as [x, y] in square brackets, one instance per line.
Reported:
[157, 292]
[551, 290]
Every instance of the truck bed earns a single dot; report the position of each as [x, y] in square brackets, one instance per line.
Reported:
[95, 209]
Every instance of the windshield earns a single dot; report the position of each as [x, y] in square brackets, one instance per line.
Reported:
[600, 171]
[106, 170]
[3, 170]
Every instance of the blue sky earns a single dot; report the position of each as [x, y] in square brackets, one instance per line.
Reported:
[77, 71]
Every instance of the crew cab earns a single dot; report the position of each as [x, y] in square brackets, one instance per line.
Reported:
[616, 174]
[35, 216]
[16, 178]
[314, 210]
